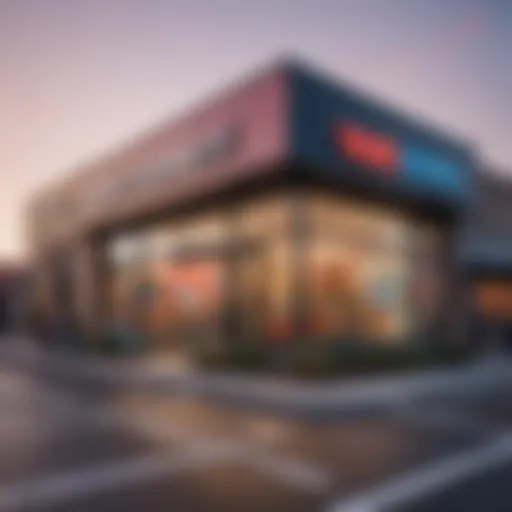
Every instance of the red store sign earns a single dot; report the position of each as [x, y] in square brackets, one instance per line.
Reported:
[363, 146]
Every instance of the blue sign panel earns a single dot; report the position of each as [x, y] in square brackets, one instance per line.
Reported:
[435, 172]
[335, 129]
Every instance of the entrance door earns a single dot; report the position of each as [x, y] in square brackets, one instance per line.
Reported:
[262, 293]
[186, 307]
[249, 304]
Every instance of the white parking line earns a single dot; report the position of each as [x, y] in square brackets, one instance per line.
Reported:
[286, 469]
[431, 479]
[71, 485]
[157, 428]
[448, 420]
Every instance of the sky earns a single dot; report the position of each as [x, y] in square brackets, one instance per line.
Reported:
[78, 77]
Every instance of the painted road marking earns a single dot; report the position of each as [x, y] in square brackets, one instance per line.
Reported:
[19, 397]
[288, 470]
[71, 485]
[431, 479]
[450, 420]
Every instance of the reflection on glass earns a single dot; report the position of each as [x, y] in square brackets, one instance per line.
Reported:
[264, 270]
[369, 273]
[364, 268]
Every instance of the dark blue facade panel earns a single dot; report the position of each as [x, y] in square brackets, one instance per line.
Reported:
[336, 130]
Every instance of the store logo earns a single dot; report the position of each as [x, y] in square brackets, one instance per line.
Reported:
[366, 147]
[430, 169]
[203, 153]
[383, 153]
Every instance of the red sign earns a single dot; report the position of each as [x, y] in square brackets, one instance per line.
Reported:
[366, 147]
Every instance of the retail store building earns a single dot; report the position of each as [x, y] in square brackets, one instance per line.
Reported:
[288, 206]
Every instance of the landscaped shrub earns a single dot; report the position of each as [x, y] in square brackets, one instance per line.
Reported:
[245, 357]
[120, 341]
[327, 358]
[344, 359]
[310, 359]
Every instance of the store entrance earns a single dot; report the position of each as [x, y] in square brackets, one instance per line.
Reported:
[260, 293]
[185, 309]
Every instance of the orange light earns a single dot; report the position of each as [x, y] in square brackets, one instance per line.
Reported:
[494, 298]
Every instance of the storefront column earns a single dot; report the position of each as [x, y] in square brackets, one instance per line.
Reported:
[230, 328]
[300, 239]
[452, 299]
[90, 290]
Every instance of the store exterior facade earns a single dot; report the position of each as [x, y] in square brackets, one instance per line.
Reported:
[288, 207]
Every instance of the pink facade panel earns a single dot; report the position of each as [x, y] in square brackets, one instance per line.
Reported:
[167, 166]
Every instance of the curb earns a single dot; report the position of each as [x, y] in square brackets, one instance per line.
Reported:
[340, 400]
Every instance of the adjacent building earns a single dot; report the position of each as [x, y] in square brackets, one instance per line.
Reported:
[14, 292]
[486, 254]
[289, 206]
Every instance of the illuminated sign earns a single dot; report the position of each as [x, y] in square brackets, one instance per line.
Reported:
[383, 153]
[431, 169]
[367, 147]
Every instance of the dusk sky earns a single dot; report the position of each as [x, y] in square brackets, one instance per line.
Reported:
[80, 76]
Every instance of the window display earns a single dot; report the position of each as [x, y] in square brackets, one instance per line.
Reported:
[167, 281]
[263, 290]
[263, 270]
[126, 260]
[188, 306]
[355, 293]
[368, 273]
[362, 267]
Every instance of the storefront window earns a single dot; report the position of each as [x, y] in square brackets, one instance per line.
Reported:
[359, 268]
[127, 260]
[167, 281]
[366, 272]
[264, 270]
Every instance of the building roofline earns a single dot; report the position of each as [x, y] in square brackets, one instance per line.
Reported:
[287, 63]
[365, 94]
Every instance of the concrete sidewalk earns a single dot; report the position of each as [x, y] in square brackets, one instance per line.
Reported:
[348, 396]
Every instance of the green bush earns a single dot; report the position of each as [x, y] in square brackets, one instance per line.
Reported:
[208, 357]
[338, 359]
[243, 357]
[120, 341]
[327, 359]
[312, 360]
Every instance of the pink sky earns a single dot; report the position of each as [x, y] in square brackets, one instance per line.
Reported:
[79, 76]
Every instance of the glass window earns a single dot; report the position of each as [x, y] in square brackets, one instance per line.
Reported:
[265, 218]
[360, 266]
[263, 270]
[167, 282]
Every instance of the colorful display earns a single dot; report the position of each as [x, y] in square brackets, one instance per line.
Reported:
[369, 273]
[359, 273]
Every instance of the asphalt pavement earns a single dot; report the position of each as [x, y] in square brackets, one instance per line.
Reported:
[73, 445]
